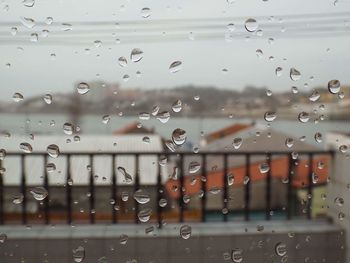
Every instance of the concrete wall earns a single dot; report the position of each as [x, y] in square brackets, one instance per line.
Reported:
[305, 241]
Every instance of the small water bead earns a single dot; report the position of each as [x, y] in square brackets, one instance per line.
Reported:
[48, 20]
[259, 53]
[2, 154]
[343, 148]
[39, 193]
[26, 147]
[3, 238]
[230, 179]
[68, 128]
[144, 116]
[304, 117]
[155, 110]
[315, 95]
[170, 145]
[237, 142]
[175, 66]
[278, 71]
[334, 86]
[53, 150]
[259, 33]
[83, 88]
[237, 255]
[17, 199]
[123, 239]
[34, 37]
[78, 254]
[185, 231]
[268, 93]
[294, 74]
[47, 98]
[177, 106]
[127, 176]
[126, 78]
[50, 167]
[122, 61]
[270, 116]
[289, 142]
[341, 216]
[264, 168]
[339, 201]
[179, 136]
[66, 27]
[28, 3]
[145, 12]
[231, 27]
[141, 196]
[251, 25]
[13, 31]
[136, 55]
[17, 97]
[318, 137]
[144, 215]
[294, 90]
[163, 202]
[125, 196]
[106, 119]
[194, 167]
[27, 22]
[281, 249]
[146, 139]
[163, 116]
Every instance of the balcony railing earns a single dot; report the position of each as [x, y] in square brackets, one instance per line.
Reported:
[294, 171]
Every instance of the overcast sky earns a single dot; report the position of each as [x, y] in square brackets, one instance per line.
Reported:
[310, 43]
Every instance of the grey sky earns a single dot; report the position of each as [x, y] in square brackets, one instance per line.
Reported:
[33, 71]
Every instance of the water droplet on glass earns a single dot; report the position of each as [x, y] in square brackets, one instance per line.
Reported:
[28, 3]
[26, 147]
[270, 116]
[145, 12]
[251, 25]
[79, 254]
[175, 66]
[3, 238]
[237, 142]
[127, 176]
[230, 179]
[50, 167]
[185, 231]
[98, 43]
[294, 74]
[48, 20]
[53, 150]
[281, 249]
[303, 117]
[14, 31]
[83, 88]
[278, 71]
[126, 77]
[259, 53]
[68, 128]
[39, 193]
[315, 95]
[170, 145]
[318, 137]
[343, 148]
[123, 239]
[144, 215]
[155, 110]
[334, 86]
[47, 98]
[17, 199]
[163, 202]
[141, 196]
[294, 90]
[106, 119]
[236, 255]
[231, 27]
[289, 142]
[268, 92]
[136, 55]
[339, 201]
[194, 167]
[179, 136]
[34, 37]
[2, 154]
[66, 27]
[27, 22]
[122, 61]
[264, 168]
[146, 139]
[177, 106]
[17, 97]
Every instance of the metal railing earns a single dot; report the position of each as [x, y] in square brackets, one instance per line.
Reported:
[181, 156]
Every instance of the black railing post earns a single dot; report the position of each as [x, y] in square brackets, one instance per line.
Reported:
[204, 187]
[47, 199]
[1, 197]
[225, 194]
[310, 187]
[136, 187]
[181, 197]
[92, 190]
[290, 172]
[24, 191]
[69, 191]
[268, 189]
[114, 190]
[159, 195]
[247, 187]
